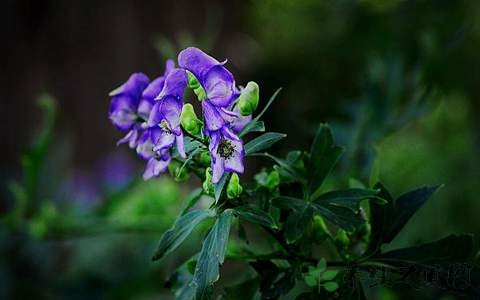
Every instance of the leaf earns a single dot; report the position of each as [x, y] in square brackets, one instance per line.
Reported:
[324, 155]
[218, 188]
[252, 126]
[321, 265]
[286, 168]
[453, 248]
[192, 199]
[330, 286]
[297, 224]
[270, 101]
[329, 275]
[340, 216]
[405, 206]
[256, 215]
[313, 271]
[211, 257]
[311, 281]
[349, 198]
[263, 142]
[183, 226]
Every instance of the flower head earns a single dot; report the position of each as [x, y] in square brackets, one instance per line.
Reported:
[132, 103]
[227, 153]
[166, 112]
[125, 100]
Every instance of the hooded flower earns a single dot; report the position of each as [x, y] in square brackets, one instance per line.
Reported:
[125, 100]
[217, 84]
[157, 160]
[227, 153]
[132, 103]
[166, 112]
[163, 125]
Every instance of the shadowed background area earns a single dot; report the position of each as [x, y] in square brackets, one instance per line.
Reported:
[398, 83]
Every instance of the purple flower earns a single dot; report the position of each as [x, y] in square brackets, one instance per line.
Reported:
[166, 112]
[125, 101]
[217, 83]
[132, 103]
[240, 121]
[227, 153]
[157, 160]
[163, 125]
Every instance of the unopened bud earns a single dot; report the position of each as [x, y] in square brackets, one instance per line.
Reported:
[273, 180]
[189, 119]
[248, 100]
[207, 184]
[205, 158]
[234, 189]
[194, 84]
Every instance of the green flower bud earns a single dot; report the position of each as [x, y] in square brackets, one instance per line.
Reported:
[192, 81]
[205, 158]
[189, 119]
[234, 189]
[207, 184]
[273, 180]
[194, 84]
[178, 173]
[248, 100]
[342, 239]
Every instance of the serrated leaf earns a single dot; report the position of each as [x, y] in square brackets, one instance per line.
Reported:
[404, 208]
[263, 142]
[348, 198]
[329, 274]
[297, 224]
[286, 169]
[211, 257]
[321, 265]
[340, 216]
[311, 281]
[183, 226]
[313, 271]
[255, 215]
[330, 286]
[343, 217]
[324, 155]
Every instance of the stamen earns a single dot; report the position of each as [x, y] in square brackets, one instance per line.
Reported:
[225, 148]
[164, 127]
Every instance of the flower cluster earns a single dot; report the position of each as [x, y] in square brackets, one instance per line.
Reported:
[156, 119]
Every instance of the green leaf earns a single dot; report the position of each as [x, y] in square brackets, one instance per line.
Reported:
[313, 271]
[343, 217]
[211, 257]
[349, 198]
[270, 101]
[321, 265]
[263, 142]
[330, 286]
[218, 188]
[192, 199]
[297, 223]
[255, 215]
[324, 155]
[340, 216]
[184, 225]
[286, 168]
[311, 281]
[453, 248]
[329, 275]
[252, 126]
[404, 208]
